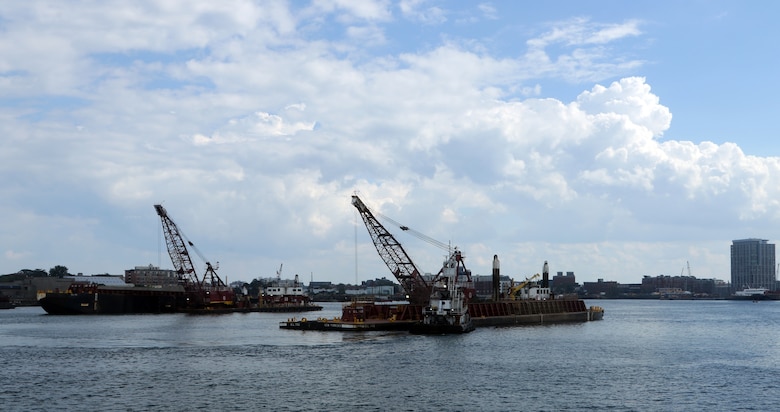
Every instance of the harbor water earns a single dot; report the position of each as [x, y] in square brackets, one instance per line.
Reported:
[646, 355]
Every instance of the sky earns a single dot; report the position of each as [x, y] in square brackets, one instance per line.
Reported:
[612, 139]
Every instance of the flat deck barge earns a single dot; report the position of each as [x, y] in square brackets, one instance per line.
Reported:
[483, 314]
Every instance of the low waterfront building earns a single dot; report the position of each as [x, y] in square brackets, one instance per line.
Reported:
[564, 283]
[601, 288]
[108, 280]
[151, 276]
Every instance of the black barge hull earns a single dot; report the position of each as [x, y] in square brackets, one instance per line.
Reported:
[140, 300]
[114, 302]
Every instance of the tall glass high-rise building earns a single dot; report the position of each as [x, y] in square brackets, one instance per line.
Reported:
[753, 264]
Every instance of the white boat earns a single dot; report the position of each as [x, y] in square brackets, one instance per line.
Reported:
[755, 294]
[286, 296]
[285, 293]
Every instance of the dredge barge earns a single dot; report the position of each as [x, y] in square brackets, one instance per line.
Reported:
[191, 293]
[96, 299]
[483, 314]
[446, 304]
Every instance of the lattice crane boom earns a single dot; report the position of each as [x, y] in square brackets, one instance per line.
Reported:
[394, 256]
[207, 293]
[177, 249]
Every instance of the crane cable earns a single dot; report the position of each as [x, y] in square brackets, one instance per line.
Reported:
[195, 248]
[421, 236]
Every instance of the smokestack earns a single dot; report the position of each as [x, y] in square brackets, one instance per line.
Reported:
[546, 275]
[496, 279]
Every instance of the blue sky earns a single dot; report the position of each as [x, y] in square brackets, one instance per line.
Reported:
[613, 139]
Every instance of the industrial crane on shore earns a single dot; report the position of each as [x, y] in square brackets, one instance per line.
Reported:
[208, 291]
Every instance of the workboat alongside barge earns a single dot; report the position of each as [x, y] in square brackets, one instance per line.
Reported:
[447, 310]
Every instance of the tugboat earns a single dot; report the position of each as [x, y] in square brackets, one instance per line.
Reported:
[448, 310]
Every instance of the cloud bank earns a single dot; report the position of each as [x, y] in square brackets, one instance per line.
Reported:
[255, 123]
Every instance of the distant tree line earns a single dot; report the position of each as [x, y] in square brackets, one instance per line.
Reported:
[58, 271]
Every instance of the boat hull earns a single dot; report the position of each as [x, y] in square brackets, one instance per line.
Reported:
[346, 326]
[532, 312]
[114, 301]
[140, 300]
[767, 296]
[289, 308]
[538, 319]
[421, 328]
[5, 302]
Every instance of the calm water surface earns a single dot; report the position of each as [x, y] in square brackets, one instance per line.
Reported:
[644, 356]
